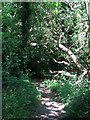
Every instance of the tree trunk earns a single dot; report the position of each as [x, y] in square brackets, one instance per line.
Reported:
[75, 60]
[87, 2]
[25, 14]
[73, 57]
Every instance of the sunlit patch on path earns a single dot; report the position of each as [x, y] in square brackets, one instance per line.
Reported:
[48, 107]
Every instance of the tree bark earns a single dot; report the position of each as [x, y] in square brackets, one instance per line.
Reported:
[25, 14]
[87, 2]
[62, 72]
[75, 60]
[60, 62]
[72, 56]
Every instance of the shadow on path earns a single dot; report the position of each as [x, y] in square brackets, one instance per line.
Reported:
[48, 107]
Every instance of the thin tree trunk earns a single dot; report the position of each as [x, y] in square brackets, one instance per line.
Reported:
[73, 57]
[87, 2]
[75, 60]
[25, 14]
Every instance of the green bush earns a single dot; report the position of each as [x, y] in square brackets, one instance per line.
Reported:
[76, 96]
[79, 107]
[52, 84]
[19, 98]
[62, 86]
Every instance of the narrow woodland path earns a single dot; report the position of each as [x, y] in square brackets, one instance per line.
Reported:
[48, 108]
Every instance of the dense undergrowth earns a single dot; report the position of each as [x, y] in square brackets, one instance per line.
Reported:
[20, 98]
[76, 97]
[31, 32]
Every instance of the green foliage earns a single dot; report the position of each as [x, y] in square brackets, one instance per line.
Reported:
[30, 40]
[52, 84]
[62, 86]
[30, 33]
[79, 106]
[19, 98]
[76, 97]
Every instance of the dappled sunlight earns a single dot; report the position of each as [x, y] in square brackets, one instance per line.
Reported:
[46, 66]
[48, 107]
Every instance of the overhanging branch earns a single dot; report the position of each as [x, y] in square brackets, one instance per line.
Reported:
[73, 57]
[60, 62]
[61, 72]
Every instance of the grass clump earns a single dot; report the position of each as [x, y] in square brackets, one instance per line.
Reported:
[20, 98]
[76, 97]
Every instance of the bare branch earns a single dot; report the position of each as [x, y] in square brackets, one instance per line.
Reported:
[72, 56]
[61, 72]
[79, 49]
[75, 60]
[88, 8]
[60, 62]
[80, 78]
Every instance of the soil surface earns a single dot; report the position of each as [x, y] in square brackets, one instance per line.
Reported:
[48, 108]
